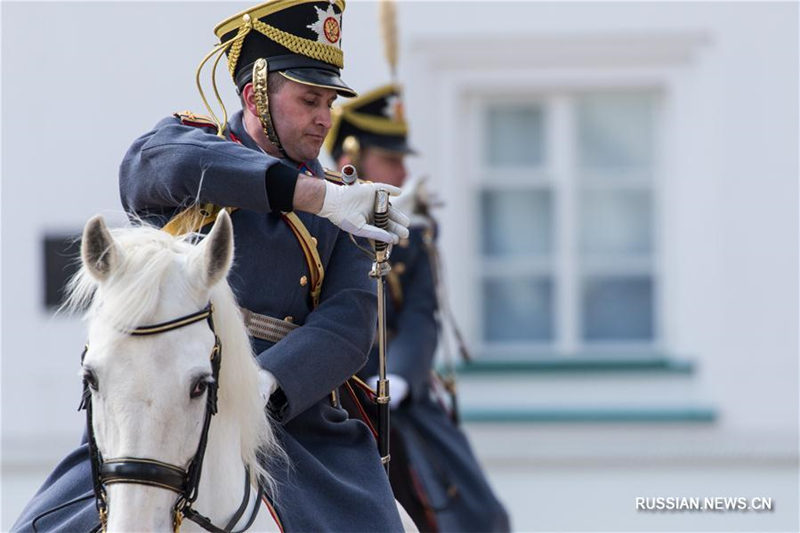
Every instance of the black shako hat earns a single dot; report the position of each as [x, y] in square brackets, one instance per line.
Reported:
[300, 38]
[374, 119]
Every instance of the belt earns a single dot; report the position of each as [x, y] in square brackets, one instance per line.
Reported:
[274, 329]
[265, 327]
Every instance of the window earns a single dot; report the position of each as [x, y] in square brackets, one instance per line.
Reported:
[566, 200]
[61, 261]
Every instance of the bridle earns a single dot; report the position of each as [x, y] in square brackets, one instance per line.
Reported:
[155, 473]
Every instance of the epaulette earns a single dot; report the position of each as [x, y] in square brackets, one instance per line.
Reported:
[333, 176]
[188, 118]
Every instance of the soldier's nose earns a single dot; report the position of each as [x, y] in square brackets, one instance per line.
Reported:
[324, 119]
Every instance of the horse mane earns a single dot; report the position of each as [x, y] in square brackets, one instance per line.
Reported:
[132, 293]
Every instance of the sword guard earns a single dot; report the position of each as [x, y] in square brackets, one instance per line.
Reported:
[380, 268]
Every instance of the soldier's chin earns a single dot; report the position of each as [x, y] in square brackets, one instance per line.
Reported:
[312, 146]
[305, 151]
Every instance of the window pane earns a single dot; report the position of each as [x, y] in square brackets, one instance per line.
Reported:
[618, 308]
[514, 135]
[517, 222]
[616, 130]
[60, 263]
[616, 222]
[518, 309]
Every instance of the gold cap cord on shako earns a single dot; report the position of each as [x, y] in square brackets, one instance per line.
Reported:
[301, 39]
[375, 119]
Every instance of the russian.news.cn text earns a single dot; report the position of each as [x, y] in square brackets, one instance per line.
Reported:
[718, 504]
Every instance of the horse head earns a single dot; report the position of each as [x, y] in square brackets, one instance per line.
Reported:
[161, 315]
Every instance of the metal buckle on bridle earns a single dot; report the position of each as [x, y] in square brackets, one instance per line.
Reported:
[177, 514]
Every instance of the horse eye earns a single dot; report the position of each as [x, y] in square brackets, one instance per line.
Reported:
[90, 378]
[199, 388]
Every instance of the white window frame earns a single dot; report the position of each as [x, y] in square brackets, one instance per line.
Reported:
[560, 175]
[449, 80]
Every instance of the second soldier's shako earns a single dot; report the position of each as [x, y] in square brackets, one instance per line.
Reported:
[300, 38]
[374, 119]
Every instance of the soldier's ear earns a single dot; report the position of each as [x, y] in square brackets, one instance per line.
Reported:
[248, 99]
[99, 253]
[213, 257]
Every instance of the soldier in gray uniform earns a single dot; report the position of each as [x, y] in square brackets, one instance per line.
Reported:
[433, 471]
[309, 303]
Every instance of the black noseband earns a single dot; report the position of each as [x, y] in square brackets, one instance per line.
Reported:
[144, 472]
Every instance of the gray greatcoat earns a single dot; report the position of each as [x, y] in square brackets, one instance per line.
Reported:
[335, 481]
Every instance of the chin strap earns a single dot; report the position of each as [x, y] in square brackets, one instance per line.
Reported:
[260, 91]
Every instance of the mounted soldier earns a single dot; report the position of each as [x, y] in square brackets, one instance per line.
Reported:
[300, 280]
[433, 472]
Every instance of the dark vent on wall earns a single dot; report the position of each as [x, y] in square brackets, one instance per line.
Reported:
[61, 261]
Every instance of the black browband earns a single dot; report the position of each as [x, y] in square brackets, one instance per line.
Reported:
[156, 473]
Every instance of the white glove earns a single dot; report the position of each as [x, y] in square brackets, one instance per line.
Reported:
[351, 207]
[409, 198]
[414, 194]
[267, 384]
[398, 388]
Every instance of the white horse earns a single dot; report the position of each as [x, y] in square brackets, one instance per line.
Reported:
[161, 318]
[149, 388]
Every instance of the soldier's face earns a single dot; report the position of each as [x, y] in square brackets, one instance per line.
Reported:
[302, 118]
[383, 166]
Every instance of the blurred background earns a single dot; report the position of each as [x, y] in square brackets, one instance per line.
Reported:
[620, 232]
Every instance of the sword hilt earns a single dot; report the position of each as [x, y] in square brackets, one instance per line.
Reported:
[381, 220]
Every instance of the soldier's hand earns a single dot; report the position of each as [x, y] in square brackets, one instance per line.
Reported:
[351, 207]
[398, 388]
[413, 195]
[267, 384]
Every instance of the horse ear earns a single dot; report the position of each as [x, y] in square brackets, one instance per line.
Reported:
[217, 250]
[99, 253]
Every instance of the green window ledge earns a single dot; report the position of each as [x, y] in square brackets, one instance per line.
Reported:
[659, 364]
[590, 415]
[645, 364]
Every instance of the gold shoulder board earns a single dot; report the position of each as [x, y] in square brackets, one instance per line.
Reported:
[199, 121]
[333, 176]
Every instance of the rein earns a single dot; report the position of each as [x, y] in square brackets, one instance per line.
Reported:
[143, 471]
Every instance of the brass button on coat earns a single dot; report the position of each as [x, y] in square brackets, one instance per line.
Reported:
[399, 267]
[304, 281]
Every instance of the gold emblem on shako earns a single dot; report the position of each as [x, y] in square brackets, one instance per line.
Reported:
[393, 110]
[331, 29]
[328, 26]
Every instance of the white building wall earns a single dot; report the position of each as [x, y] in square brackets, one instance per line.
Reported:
[81, 80]
[731, 189]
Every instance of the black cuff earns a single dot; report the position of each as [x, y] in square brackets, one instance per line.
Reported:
[278, 404]
[280, 182]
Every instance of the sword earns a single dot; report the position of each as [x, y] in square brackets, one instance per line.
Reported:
[380, 268]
